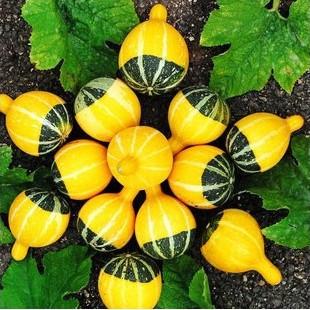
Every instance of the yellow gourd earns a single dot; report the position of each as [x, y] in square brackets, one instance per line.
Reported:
[37, 218]
[105, 106]
[258, 141]
[37, 121]
[233, 242]
[80, 169]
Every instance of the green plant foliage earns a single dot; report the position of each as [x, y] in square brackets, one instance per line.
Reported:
[76, 33]
[261, 41]
[66, 271]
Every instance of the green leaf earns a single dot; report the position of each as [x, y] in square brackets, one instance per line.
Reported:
[5, 158]
[5, 234]
[199, 291]
[287, 186]
[76, 33]
[66, 271]
[261, 43]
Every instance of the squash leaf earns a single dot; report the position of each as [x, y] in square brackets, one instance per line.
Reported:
[287, 186]
[261, 41]
[75, 33]
[66, 271]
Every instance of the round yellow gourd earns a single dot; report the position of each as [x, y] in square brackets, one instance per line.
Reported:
[140, 157]
[106, 222]
[233, 242]
[202, 177]
[80, 169]
[165, 227]
[105, 106]
[258, 141]
[130, 281]
[37, 121]
[37, 218]
[196, 116]
[154, 56]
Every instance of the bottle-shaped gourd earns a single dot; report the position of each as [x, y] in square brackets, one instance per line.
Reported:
[196, 116]
[37, 121]
[139, 157]
[37, 218]
[165, 227]
[154, 56]
[105, 106]
[258, 141]
[130, 281]
[202, 176]
[233, 242]
[80, 169]
[107, 221]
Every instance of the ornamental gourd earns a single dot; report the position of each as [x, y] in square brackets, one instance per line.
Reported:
[258, 141]
[165, 227]
[130, 281]
[233, 242]
[196, 116]
[154, 56]
[37, 121]
[106, 222]
[105, 106]
[202, 177]
[37, 218]
[80, 169]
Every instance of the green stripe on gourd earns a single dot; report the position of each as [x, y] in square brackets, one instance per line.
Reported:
[133, 267]
[58, 179]
[211, 227]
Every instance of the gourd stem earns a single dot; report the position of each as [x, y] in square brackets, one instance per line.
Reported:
[129, 194]
[295, 122]
[269, 271]
[153, 191]
[175, 145]
[275, 5]
[158, 12]
[19, 251]
[5, 102]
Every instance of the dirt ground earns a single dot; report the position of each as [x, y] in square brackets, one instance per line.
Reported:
[247, 290]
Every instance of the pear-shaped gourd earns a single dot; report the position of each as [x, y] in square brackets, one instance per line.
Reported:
[105, 106]
[165, 227]
[202, 176]
[37, 218]
[37, 121]
[233, 242]
[80, 169]
[258, 141]
[154, 56]
[140, 157]
[196, 116]
[130, 281]
[107, 221]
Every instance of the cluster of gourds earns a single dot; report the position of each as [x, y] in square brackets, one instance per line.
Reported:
[153, 59]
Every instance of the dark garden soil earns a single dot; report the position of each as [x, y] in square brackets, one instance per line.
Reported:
[248, 290]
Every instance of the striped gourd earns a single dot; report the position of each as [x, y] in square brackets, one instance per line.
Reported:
[196, 116]
[105, 106]
[140, 157]
[106, 222]
[165, 227]
[202, 177]
[37, 218]
[258, 141]
[80, 169]
[154, 56]
[233, 242]
[130, 281]
[37, 121]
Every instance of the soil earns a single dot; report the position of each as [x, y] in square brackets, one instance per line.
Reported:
[248, 290]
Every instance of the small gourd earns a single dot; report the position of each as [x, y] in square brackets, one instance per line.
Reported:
[106, 222]
[37, 218]
[140, 157]
[196, 116]
[37, 121]
[165, 227]
[233, 242]
[80, 169]
[258, 141]
[105, 106]
[130, 281]
[202, 177]
[154, 56]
